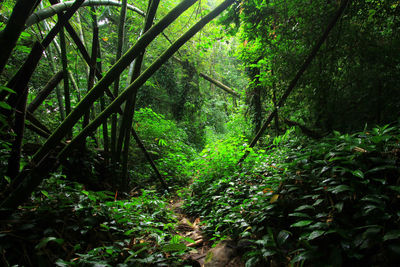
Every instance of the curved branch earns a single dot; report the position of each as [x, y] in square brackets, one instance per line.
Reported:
[54, 9]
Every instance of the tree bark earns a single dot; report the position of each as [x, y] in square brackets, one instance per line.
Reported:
[219, 84]
[19, 127]
[130, 104]
[64, 62]
[120, 44]
[12, 31]
[44, 93]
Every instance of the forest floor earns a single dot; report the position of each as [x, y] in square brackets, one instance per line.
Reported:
[203, 253]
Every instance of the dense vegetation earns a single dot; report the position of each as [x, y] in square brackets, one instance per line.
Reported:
[145, 133]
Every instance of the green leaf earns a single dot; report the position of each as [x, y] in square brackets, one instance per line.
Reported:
[395, 188]
[304, 207]
[339, 189]
[5, 88]
[44, 192]
[317, 202]
[315, 234]
[299, 214]
[394, 234]
[358, 173]
[187, 239]
[282, 237]
[46, 240]
[302, 223]
[174, 247]
[302, 257]
[4, 105]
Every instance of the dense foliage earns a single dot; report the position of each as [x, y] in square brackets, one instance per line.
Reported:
[331, 202]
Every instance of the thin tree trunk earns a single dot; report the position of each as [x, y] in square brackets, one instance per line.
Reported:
[275, 102]
[126, 124]
[12, 31]
[219, 84]
[64, 62]
[58, 89]
[116, 82]
[92, 63]
[19, 127]
[44, 93]
[302, 69]
[68, 27]
[102, 107]
[32, 119]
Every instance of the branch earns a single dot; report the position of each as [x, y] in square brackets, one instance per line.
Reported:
[54, 9]
[220, 85]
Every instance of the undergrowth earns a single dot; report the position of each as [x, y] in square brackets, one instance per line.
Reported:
[330, 202]
[66, 225]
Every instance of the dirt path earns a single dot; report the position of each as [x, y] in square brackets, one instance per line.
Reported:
[202, 254]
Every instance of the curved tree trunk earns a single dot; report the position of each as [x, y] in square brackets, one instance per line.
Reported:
[61, 7]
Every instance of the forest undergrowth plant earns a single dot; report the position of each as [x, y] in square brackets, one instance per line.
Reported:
[222, 187]
[77, 227]
[337, 203]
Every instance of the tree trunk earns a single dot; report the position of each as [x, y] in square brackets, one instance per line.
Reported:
[19, 127]
[44, 93]
[15, 25]
[130, 104]
[120, 44]
[64, 62]
[219, 84]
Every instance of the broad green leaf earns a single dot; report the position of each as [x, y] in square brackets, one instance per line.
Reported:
[339, 189]
[304, 207]
[4, 105]
[282, 237]
[315, 234]
[44, 192]
[394, 234]
[5, 88]
[302, 223]
[302, 257]
[358, 173]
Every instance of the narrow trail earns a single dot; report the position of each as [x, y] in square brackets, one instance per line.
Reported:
[202, 252]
